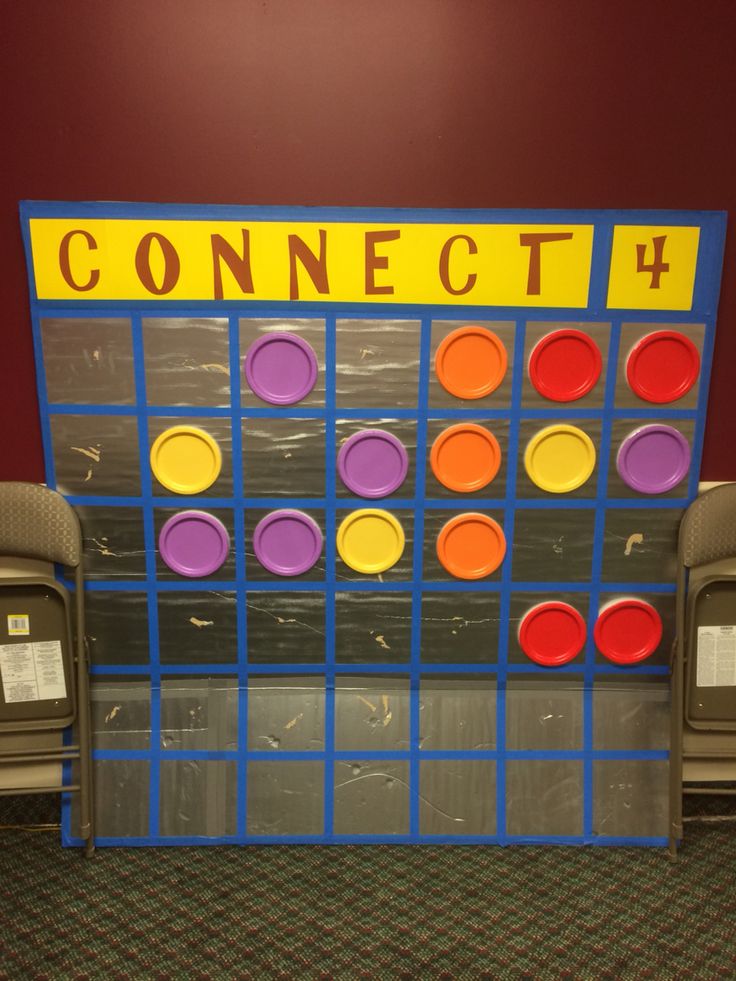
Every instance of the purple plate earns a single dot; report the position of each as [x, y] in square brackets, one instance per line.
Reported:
[372, 463]
[281, 368]
[194, 543]
[653, 459]
[287, 542]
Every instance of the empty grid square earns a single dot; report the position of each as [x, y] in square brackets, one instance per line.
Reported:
[542, 714]
[457, 713]
[377, 363]
[544, 798]
[460, 627]
[286, 627]
[187, 361]
[284, 457]
[457, 797]
[120, 710]
[88, 361]
[372, 713]
[116, 784]
[117, 626]
[553, 545]
[197, 627]
[631, 714]
[199, 713]
[286, 712]
[631, 798]
[114, 544]
[285, 797]
[96, 454]
[198, 798]
[371, 797]
[640, 544]
[373, 627]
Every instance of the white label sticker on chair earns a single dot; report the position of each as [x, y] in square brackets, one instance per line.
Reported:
[716, 657]
[19, 624]
[32, 672]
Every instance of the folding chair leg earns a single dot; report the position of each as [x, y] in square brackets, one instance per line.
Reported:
[86, 797]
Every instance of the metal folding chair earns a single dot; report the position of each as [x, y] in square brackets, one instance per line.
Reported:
[44, 685]
[703, 712]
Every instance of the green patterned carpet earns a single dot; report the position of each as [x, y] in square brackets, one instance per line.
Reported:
[368, 912]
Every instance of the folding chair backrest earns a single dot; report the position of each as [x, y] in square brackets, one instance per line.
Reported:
[37, 523]
[708, 530]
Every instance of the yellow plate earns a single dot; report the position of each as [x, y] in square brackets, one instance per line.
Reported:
[559, 459]
[186, 460]
[370, 540]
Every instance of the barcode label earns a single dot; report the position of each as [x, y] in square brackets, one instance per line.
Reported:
[19, 624]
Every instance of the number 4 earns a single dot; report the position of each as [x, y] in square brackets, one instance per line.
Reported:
[657, 265]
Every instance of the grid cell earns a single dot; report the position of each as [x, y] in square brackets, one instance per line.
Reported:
[457, 797]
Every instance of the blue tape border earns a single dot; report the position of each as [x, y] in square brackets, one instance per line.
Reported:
[704, 307]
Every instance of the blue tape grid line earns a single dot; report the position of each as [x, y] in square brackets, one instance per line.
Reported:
[398, 503]
[207, 412]
[330, 571]
[149, 537]
[597, 571]
[236, 413]
[353, 585]
[240, 573]
[277, 756]
[198, 841]
[517, 381]
[415, 721]
[401, 668]
[602, 244]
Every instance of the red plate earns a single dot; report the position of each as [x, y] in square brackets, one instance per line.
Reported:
[552, 634]
[628, 631]
[565, 365]
[663, 366]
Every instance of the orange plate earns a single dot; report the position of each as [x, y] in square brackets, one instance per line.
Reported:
[471, 362]
[465, 457]
[471, 546]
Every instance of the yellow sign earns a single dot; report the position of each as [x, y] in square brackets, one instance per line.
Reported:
[540, 265]
[494, 264]
[653, 267]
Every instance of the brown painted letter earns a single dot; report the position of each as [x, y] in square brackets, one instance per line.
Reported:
[65, 267]
[657, 266]
[239, 265]
[316, 266]
[534, 241]
[172, 266]
[373, 261]
[445, 265]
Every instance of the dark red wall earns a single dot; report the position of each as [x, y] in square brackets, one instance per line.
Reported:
[436, 103]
